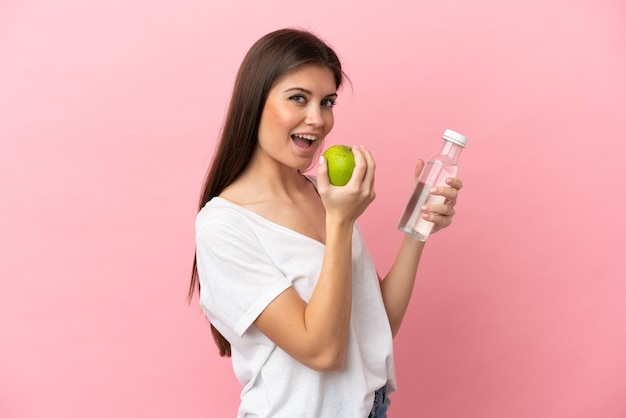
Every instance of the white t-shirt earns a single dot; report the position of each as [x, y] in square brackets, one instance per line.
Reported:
[244, 262]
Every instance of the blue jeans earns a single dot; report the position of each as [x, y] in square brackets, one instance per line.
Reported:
[381, 404]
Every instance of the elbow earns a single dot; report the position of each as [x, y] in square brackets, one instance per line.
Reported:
[328, 365]
[395, 324]
[394, 330]
[328, 361]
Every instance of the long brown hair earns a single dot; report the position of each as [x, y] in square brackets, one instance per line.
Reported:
[269, 59]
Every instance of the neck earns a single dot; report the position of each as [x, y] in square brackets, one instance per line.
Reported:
[274, 180]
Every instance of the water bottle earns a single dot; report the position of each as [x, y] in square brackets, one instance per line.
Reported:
[437, 169]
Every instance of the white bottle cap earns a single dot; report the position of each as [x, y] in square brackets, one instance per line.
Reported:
[457, 138]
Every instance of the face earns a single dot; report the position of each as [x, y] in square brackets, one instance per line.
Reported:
[297, 116]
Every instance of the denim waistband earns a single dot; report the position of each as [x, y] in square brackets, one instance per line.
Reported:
[381, 404]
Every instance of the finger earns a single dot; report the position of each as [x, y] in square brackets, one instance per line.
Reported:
[323, 183]
[438, 210]
[455, 183]
[371, 166]
[449, 193]
[418, 168]
[440, 221]
[360, 166]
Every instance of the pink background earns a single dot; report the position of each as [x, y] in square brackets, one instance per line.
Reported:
[108, 115]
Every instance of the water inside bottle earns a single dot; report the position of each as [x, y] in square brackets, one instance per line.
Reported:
[412, 221]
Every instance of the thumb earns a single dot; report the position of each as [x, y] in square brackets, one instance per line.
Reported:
[418, 168]
[323, 183]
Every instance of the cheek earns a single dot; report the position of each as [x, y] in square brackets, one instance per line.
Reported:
[280, 119]
[270, 120]
[329, 123]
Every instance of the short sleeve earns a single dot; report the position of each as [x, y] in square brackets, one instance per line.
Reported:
[237, 278]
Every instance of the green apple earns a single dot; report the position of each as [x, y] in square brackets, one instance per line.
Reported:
[340, 164]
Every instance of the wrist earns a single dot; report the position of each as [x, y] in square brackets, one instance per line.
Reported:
[414, 243]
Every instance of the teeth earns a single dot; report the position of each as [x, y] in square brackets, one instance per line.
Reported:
[307, 137]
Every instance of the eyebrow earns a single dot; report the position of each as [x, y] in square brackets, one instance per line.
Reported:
[300, 89]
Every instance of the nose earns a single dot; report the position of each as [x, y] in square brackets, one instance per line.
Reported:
[314, 116]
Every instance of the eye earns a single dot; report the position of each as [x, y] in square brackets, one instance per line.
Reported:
[329, 102]
[298, 98]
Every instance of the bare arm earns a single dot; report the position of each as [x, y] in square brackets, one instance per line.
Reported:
[316, 333]
[397, 286]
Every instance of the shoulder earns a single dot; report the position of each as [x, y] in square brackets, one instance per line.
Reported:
[221, 220]
[224, 230]
[218, 210]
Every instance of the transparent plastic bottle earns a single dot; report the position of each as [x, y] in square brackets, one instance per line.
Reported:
[437, 169]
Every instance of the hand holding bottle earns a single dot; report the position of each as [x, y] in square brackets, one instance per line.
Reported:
[440, 214]
[431, 205]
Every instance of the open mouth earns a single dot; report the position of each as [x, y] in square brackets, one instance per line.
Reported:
[304, 141]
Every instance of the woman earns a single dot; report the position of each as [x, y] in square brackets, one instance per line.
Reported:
[284, 275]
